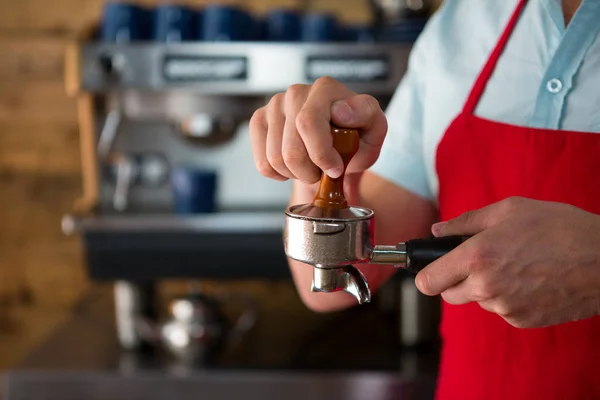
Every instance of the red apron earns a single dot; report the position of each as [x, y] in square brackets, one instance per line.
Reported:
[480, 162]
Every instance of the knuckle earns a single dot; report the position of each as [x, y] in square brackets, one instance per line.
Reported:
[324, 81]
[276, 160]
[305, 121]
[276, 102]
[477, 259]
[485, 290]
[510, 204]
[504, 310]
[265, 169]
[294, 156]
[321, 159]
[517, 323]
[486, 305]
[257, 121]
[468, 217]
[296, 92]
[465, 219]
[372, 104]
[482, 258]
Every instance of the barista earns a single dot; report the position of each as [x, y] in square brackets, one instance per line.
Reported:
[494, 132]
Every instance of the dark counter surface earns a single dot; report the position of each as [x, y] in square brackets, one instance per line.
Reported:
[352, 354]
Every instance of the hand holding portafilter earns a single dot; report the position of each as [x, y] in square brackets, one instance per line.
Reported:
[331, 236]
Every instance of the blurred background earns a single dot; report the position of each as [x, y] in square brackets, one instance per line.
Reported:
[123, 144]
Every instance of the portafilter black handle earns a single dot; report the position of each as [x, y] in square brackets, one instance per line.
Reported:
[422, 252]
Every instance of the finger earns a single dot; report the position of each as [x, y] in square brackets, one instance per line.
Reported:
[276, 124]
[468, 223]
[362, 111]
[473, 222]
[445, 272]
[313, 123]
[459, 294]
[358, 111]
[258, 138]
[293, 150]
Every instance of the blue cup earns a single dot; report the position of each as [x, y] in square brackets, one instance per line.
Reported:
[403, 31]
[261, 29]
[359, 33]
[194, 189]
[173, 23]
[319, 28]
[282, 26]
[123, 23]
[223, 23]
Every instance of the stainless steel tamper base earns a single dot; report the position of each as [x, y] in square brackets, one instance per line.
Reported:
[332, 242]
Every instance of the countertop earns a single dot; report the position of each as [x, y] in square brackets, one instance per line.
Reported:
[352, 354]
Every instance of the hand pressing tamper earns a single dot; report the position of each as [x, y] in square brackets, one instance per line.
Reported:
[332, 236]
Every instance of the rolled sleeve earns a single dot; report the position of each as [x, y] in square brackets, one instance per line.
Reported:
[401, 160]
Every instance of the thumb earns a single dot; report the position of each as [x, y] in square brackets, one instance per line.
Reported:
[364, 112]
[358, 111]
[469, 223]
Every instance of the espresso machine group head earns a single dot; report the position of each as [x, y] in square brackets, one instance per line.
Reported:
[332, 236]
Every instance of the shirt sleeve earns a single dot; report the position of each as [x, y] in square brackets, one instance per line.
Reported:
[402, 158]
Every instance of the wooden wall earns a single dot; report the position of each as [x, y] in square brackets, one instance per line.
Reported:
[41, 273]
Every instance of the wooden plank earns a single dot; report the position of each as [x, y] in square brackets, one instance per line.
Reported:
[31, 75]
[260, 7]
[31, 58]
[72, 69]
[31, 147]
[57, 17]
[35, 255]
[350, 11]
[43, 102]
[89, 160]
[55, 275]
[68, 17]
[25, 328]
[32, 206]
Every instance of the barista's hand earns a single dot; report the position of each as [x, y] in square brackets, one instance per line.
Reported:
[291, 135]
[534, 263]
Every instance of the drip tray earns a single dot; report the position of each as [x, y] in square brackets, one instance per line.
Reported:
[231, 245]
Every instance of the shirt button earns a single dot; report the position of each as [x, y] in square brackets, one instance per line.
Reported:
[554, 85]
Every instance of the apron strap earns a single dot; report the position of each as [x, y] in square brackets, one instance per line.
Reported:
[488, 69]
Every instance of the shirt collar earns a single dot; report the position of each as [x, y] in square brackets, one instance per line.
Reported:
[554, 9]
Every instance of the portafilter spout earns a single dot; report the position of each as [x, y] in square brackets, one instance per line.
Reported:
[348, 279]
[332, 237]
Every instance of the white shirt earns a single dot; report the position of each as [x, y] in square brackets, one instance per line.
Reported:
[547, 77]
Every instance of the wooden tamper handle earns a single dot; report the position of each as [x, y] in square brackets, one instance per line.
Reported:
[331, 191]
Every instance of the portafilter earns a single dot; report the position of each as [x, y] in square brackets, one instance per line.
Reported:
[332, 236]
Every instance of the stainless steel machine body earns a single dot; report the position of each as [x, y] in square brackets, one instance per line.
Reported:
[159, 105]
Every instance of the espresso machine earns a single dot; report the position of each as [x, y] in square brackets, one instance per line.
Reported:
[156, 117]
